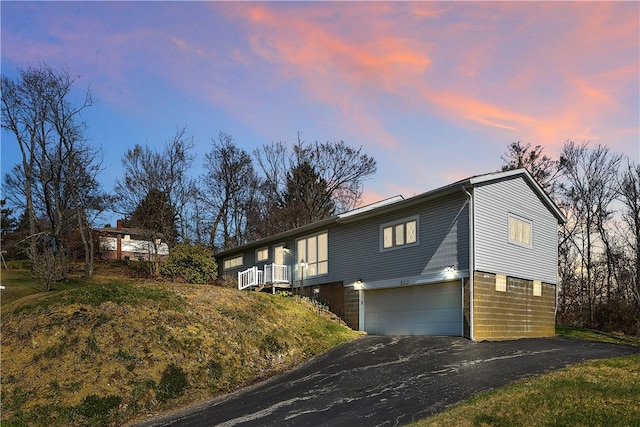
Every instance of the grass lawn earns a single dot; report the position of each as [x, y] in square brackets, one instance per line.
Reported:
[594, 393]
[19, 283]
[99, 351]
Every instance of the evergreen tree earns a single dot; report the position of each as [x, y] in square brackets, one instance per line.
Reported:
[156, 216]
[306, 199]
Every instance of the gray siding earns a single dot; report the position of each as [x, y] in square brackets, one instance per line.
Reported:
[493, 252]
[249, 257]
[354, 249]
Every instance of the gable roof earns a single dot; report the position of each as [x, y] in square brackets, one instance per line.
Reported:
[398, 202]
[544, 197]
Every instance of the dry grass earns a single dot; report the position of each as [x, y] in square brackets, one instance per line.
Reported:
[65, 351]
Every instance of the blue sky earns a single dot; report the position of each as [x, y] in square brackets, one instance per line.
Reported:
[434, 91]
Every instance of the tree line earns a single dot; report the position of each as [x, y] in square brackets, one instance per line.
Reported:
[599, 246]
[240, 197]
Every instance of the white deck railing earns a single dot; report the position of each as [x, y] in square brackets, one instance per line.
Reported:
[272, 274]
[275, 273]
[249, 278]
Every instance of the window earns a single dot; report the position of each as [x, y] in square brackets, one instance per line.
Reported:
[314, 250]
[400, 233]
[537, 288]
[520, 231]
[501, 283]
[262, 254]
[278, 254]
[234, 262]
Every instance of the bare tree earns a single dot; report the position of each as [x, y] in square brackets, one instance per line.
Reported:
[88, 200]
[24, 113]
[587, 193]
[332, 174]
[542, 168]
[274, 161]
[54, 174]
[630, 197]
[147, 170]
[344, 170]
[229, 188]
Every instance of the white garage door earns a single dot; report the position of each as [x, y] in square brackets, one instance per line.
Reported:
[434, 309]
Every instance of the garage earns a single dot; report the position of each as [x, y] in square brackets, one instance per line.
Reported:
[434, 309]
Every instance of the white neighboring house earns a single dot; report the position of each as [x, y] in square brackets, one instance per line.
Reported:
[130, 244]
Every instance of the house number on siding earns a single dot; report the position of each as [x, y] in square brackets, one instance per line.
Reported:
[404, 282]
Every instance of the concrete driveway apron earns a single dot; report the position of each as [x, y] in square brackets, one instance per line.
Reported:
[388, 381]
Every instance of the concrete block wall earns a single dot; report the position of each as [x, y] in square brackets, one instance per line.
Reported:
[513, 314]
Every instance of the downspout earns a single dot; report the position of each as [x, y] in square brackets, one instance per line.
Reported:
[472, 264]
[555, 288]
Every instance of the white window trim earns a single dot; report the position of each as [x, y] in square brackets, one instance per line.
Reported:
[306, 261]
[517, 242]
[260, 250]
[393, 224]
[232, 267]
[537, 288]
[282, 245]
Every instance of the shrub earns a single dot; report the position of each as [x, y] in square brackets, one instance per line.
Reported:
[272, 345]
[214, 373]
[617, 315]
[173, 383]
[94, 406]
[194, 264]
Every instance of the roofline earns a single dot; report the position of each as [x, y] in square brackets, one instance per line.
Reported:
[352, 216]
[432, 194]
[282, 235]
[481, 179]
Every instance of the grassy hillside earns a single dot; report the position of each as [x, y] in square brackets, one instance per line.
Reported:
[106, 350]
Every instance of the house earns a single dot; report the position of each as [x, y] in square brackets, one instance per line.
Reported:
[124, 243]
[476, 258]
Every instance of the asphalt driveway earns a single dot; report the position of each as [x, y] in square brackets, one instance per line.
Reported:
[388, 381]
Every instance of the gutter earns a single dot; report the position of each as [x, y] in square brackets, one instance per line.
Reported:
[280, 236]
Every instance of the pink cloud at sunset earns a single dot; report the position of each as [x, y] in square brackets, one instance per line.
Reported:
[334, 62]
[356, 57]
[433, 90]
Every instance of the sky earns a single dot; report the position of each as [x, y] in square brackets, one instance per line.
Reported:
[434, 91]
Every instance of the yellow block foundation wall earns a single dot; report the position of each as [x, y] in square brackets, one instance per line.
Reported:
[513, 314]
